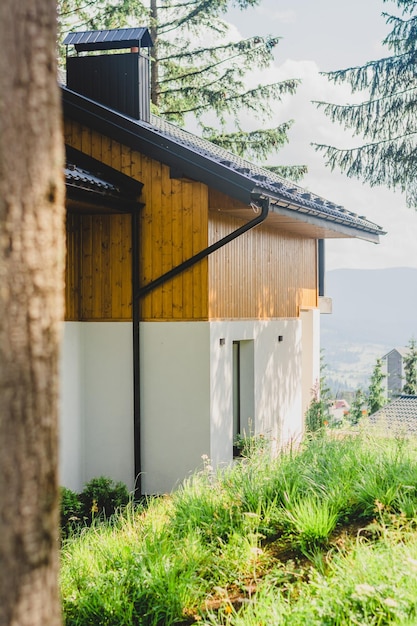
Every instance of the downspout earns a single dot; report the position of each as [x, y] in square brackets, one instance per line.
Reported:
[138, 293]
[136, 356]
[265, 203]
[321, 267]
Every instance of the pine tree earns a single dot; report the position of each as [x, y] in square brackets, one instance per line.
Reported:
[357, 407]
[197, 71]
[376, 392]
[410, 369]
[386, 118]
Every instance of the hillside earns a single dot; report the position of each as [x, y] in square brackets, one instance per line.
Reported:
[287, 539]
[373, 311]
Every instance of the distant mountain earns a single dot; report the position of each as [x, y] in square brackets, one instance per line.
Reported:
[373, 312]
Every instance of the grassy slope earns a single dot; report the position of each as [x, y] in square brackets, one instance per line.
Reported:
[322, 535]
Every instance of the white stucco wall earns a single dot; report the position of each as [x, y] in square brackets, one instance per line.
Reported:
[186, 394]
[187, 399]
[96, 431]
[71, 420]
[175, 401]
[275, 408]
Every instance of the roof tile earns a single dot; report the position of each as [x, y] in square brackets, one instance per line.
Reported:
[399, 416]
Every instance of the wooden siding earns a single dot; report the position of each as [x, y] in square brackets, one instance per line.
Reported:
[263, 274]
[266, 273]
[99, 267]
[174, 226]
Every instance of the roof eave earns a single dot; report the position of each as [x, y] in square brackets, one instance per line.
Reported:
[314, 218]
[156, 145]
[197, 166]
[341, 229]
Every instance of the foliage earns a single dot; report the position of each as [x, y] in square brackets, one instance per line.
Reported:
[264, 541]
[357, 407]
[410, 368]
[100, 499]
[386, 118]
[316, 412]
[365, 583]
[198, 70]
[70, 511]
[248, 445]
[317, 415]
[376, 391]
[312, 519]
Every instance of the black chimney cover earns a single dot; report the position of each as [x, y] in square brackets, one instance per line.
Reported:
[115, 39]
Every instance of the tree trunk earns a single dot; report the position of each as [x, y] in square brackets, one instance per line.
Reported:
[31, 311]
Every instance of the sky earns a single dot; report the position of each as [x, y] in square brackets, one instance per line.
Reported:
[319, 36]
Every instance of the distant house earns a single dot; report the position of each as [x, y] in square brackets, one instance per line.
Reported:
[339, 410]
[192, 284]
[393, 363]
[397, 417]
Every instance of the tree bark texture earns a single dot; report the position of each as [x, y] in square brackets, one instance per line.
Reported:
[31, 311]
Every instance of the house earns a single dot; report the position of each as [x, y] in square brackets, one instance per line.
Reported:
[193, 283]
[398, 417]
[393, 363]
[339, 410]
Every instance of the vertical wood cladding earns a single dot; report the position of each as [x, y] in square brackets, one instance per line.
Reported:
[174, 226]
[265, 273]
[99, 267]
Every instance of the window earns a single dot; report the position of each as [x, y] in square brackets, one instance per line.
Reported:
[243, 389]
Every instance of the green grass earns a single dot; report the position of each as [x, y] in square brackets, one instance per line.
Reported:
[321, 535]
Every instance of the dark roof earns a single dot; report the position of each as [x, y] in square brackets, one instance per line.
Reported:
[115, 39]
[199, 159]
[398, 416]
[80, 178]
[272, 184]
[90, 183]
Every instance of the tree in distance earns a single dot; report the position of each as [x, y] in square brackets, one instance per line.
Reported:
[410, 369]
[357, 407]
[199, 71]
[386, 119]
[376, 391]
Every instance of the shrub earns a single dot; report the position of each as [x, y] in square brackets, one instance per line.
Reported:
[70, 511]
[101, 497]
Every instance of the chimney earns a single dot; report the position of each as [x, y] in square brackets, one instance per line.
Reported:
[119, 81]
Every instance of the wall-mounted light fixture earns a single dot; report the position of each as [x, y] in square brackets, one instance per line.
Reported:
[280, 337]
[222, 341]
